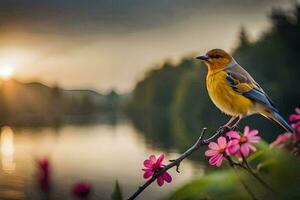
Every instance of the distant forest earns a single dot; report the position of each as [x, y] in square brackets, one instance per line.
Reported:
[37, 104]
[175, 94]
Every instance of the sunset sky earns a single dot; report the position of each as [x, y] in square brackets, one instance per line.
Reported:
[104, 44]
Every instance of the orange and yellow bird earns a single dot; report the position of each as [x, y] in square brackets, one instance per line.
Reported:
[235, 92]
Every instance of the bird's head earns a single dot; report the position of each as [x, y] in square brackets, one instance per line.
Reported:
[216, 59]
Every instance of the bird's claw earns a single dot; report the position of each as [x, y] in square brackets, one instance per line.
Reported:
[224, 129]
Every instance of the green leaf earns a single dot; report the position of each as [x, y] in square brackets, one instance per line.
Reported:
[117, 193]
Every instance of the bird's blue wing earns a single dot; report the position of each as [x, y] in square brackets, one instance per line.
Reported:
[241, 82]
[259, 96]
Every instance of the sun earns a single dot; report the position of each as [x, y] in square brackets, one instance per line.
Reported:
[6, 72]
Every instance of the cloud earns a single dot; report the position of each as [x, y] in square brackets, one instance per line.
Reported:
[114, 16]
[111, 43]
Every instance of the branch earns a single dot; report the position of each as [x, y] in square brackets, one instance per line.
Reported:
[234, 164]
[176, 162]
[255, 175]
[245, 165]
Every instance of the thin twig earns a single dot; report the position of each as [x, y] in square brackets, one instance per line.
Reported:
[233, 165]
[176, 162]
[255, 174]
[246, 162]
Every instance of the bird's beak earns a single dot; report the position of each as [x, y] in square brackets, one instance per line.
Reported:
[203, 57]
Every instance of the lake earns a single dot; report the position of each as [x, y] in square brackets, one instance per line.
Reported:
[98, 153]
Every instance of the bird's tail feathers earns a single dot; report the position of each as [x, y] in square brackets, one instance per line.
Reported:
[278, 119]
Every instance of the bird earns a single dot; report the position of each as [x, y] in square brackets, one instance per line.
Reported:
[233, 90]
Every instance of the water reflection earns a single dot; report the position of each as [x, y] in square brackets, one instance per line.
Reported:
[7, 150]
[97, 153]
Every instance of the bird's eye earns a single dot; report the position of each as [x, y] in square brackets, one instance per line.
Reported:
[216, 56]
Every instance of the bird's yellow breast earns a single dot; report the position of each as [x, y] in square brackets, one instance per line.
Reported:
[224, 97]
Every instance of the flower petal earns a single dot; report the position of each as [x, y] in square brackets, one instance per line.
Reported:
[160, 181]
[245, 150]
[232, 147]
[253, 133]
[297, 110]
[160, 159]
[298, 130]
[222, 142]
[213, 146]
[246, 130]
[296, 126]
[152, 158]
[219, 161]
[211, 152]
[251, 147]
[253, 139]
[148, 173]
[167, 177]
[233, 134]
[294, 117]
[148, 163]
[213, 160]
[282, 139]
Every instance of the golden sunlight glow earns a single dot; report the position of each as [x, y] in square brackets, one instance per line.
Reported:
[6, 72]
[7, 149]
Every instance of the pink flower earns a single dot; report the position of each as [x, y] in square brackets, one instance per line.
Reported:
[43, 165]
[295, 117]
[81, 189]
[217, 151]
[283, 140]
[233, 147]
[296, 126]
[295, 120]
[153, 165]
[43, 176]
[241, 144]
